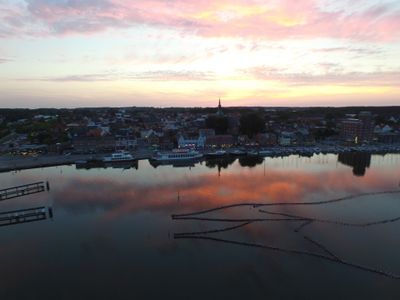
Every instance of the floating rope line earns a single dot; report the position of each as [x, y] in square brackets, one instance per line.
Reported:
[335, 222]
[328, 255]
[294, 251]
[254, 205]
[213, 231]
[240, 220]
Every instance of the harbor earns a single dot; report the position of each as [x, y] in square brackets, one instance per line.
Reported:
[15, 163]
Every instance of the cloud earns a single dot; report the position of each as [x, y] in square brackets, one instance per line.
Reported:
[157, 75]
[355, 50]
[272, 20]
[332, 74]
[5, 60]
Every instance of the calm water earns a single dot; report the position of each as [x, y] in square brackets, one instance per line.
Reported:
[112, 235]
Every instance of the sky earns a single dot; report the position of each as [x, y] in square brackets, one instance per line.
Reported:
[74, 53]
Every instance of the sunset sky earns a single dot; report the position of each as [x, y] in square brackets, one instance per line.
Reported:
[70, 53]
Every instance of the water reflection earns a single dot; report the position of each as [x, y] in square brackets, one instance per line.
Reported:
[113, 236]
[220, 162]
[204, 190]
[250, 161]
[358, 160]
[87, 165]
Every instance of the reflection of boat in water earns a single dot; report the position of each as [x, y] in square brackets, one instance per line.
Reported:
[216, 153]
[118, 157]
[175, 164]
[101, 164]
[177, 155]
[134, 164]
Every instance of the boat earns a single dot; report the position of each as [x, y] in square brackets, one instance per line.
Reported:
[216, 153]
[264, 152]
[237, 152]
[252, 153]
[177, 155]
[118, 157]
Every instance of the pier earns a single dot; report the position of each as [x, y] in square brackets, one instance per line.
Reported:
[23, 190]
[25, 215]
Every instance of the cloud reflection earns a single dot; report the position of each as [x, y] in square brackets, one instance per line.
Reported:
[207, 190]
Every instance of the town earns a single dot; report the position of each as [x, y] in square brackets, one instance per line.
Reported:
[146, 131]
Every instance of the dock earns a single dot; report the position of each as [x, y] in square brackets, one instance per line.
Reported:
[25, 215]
[23, 190]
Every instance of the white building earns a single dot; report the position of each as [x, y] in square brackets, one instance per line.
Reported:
[192, 143]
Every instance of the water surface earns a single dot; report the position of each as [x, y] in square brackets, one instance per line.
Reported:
[112, 235]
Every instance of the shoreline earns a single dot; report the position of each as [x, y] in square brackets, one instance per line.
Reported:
[17, 163]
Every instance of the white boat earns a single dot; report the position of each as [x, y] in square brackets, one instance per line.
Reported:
[217, 153]
[119, 156]
[252, 153]
[177, 155]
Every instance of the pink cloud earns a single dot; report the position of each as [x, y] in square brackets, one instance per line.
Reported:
[276, 20]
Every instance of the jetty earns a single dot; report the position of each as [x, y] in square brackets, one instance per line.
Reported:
[25, 215]
[23, 190]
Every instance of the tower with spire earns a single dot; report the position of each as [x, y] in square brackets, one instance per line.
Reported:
[219, 111]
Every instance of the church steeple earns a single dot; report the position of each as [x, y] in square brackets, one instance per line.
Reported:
[219, 111]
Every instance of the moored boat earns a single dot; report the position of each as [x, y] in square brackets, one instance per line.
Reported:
[177, 155]
[237, 152]
[119, 157]
[216, 153]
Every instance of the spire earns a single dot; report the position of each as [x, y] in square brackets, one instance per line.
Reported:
[219, 111]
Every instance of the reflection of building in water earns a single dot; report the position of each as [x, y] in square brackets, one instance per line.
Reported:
[358, 160]
[220, 162]
[250, 161]
[358, 130]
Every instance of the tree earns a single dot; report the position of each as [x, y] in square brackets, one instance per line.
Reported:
[219, 123]
[251, 124]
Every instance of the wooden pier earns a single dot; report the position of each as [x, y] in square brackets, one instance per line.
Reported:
[25, 215]
[23, 190]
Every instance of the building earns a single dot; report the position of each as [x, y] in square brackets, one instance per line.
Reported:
[191, 143]
[85, 144]
[367, 129]
[266, 139]
[389, 137]
[206, 132]
[351, 129]
[358, 130]
[220, 141]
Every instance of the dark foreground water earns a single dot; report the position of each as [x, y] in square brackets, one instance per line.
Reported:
[112, 235]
